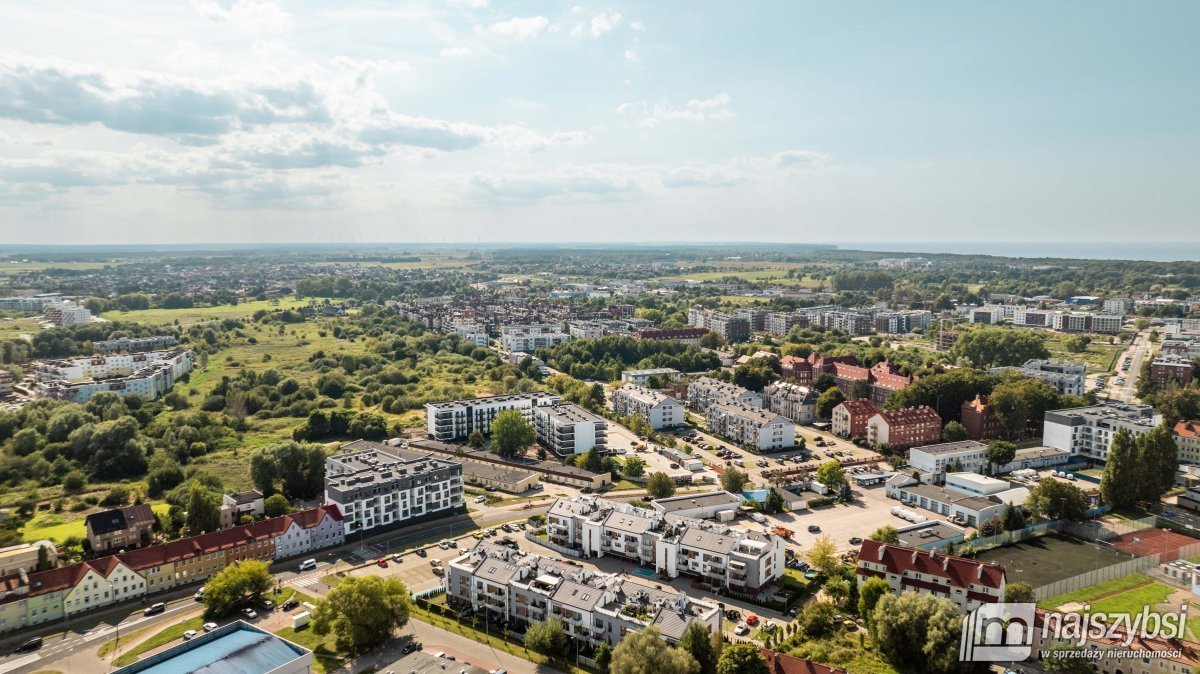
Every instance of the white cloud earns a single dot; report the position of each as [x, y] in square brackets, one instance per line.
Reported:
[252, 17]
[695, 110]
[578, 9]
[631, 55]
[519, 28]
[471, 4]
[800, 159]
[605, 22]
[457, 52]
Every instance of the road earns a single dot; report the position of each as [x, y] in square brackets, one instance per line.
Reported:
[1138, 351]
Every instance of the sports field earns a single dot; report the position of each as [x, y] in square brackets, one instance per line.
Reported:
[1041, 561]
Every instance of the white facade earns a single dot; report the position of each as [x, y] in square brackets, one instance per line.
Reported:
[659, 410]
[751, 426]
[641, 377]
[66, 313]
[456, 419]
[1067, 377]
[569, 429]
[529, 338]
[936, 459]
[375, 485]
[94, 589]
[149, 375]
[796, 402]
[706, 391]
[1088, 431]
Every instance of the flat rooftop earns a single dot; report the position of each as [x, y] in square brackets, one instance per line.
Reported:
[236, 647]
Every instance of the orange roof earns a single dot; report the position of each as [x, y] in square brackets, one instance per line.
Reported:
[782, 663]
[1187, 429]
[959, 571]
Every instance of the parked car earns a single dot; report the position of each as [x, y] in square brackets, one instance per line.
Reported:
[480, 499]
[155, 608]
[208, 627]
[741, 629]
[308, 564]
[421, 552]
[290, 604]
[382, 562]
[29, 645]
[410, 647]
[814, 529]
[199, 596]
[249, 613]
[398, 557]
[855, 541]
[189, 635]
[733, 614]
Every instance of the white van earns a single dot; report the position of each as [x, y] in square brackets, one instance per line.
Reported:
[308, 565]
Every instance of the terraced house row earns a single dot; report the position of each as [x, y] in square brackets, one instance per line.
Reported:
[32, 598]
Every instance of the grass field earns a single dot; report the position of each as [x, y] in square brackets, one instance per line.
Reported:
[1087, 594]
[1041, 561]
[756, 273]
[201, 314]
[58, 527]
[1133, 601]
[7, 268]
[325, 654]
[14, 328]
[165, 636]
[1099, 355]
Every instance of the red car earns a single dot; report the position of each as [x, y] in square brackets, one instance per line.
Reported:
[382, 562]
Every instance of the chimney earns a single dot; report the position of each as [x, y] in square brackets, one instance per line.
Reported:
[981, 572]
[882, 549]
[946, 563]
[914, 558]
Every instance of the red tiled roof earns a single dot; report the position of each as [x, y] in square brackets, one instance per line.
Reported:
[847, 371]
[782, 663]
[959, 571]
[857, 407]
[911, 415]
[1187, 429]
[894, 382]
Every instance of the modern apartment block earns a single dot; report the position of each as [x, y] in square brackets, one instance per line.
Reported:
[750, 426]
[849, 322]
[780, 324]
[66, 313]
[29, 303]
[135, 344]
[966, 582]
[569, 429]
[1119, 306]
[954, 457]
[643, 377]
[456, 419]
[1083, 322]
[1088, 432]
[687, 336]
[149, 374]
[796, 402]
[902, 322]
[849, 419]
[585, 329]
[705, 391]
[376, 485]
[658, 409]
[718, 556]
[595, 607]
[989, 315]
[529, 338]
[7, 381]
[904, 428]
[1067, 377]
[731, 327]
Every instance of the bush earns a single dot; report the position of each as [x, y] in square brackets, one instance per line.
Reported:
[821, 502]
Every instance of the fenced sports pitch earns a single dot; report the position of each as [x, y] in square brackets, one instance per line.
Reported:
[1045, 560]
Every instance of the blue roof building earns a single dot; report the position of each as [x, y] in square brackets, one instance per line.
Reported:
[236, 647]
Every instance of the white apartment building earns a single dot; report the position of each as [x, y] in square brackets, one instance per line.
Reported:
[133, 344]
[706, 391]
[595, 607]
[149, 375]
[796, 402]
[66, 313]
[1088, 431]
[989, 315]
[751, 426]
[471, 331]
[530, 338]
[937, 460]
[456, 419]
[565, 428]
[1067, 377]
[30, 303]
[1082, 322]
[717, 555]
[641, 377]
[781, 324]
[585, 329]
[376, 485]
[659, 410]
[1119, 306]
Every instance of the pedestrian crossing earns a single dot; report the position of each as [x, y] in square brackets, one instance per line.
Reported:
[306, 581]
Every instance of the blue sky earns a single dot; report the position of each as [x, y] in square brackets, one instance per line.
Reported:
[476, 120]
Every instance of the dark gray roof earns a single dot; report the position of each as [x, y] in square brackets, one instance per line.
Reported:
[119, 519]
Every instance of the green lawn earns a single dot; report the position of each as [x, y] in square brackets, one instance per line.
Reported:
[58, 527]
[325, 654]
[165, 636]
[1133, 601]
[1089, 593]
[11, 329]
[200, 314]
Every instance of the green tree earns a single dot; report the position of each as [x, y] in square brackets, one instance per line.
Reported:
[733, 480]
[1055, 499]
[954, 432]
[43, 560]
[475, 439]
[1011, 409]
[816, 619]
[234, 584]
[831, 398]
[742, 659]
[1118, 483]
[276, 505]
[1012, 519]
[548, 637]
[774, 503]
[203, 510]
[645, 652]
[697, 640]
[634, 466]
[1159, 460]
[362, 612]
[996, 347]
[823, 556]
[1018, 592]
[660, 485]
[860, 389]
[603, 656]
[869, 595]
[511, 434]
[832, 475]
[1000, 453]
[918, 632]
[1063, 659]
[886, 534]
[298, 469]
[74, 482]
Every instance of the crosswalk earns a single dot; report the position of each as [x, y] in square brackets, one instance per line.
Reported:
[307, 581]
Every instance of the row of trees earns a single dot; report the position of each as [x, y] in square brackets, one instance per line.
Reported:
[1139, 469]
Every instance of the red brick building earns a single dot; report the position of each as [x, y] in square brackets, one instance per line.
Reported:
[904, 428]
[980, 420]
[851, 417]
[883, 378]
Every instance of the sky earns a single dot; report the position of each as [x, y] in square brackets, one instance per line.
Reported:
[478, 120]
